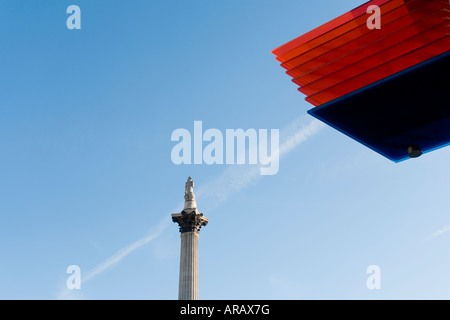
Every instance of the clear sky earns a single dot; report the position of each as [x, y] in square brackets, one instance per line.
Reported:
[87, 177]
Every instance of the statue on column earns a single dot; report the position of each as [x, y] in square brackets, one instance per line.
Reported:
[189, 220]
[189, 197]
[189, 189]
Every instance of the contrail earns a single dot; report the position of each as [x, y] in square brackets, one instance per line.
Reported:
[237, 177]
[232, 180]
[65, 293]
[122, 253]
[297, 132]
[441, 231]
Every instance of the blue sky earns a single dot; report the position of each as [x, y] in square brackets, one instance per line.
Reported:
[87, 177]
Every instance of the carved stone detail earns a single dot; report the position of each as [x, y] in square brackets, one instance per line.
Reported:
[190, 221]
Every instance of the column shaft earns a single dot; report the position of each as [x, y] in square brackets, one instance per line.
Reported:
[188, 287]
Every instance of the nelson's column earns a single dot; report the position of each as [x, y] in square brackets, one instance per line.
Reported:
[190, 222]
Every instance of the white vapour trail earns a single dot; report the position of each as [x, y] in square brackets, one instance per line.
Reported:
[122, 253]
[234, 179]
[66, 294]
[297, 133]
[237, 177]
[441, 231]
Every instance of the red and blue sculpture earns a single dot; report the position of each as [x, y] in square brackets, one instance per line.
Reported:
[386, 87]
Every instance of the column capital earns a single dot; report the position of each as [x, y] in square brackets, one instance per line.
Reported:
[190, 220]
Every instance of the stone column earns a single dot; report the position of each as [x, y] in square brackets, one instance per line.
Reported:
[190, 221]
[188, 286]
